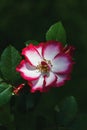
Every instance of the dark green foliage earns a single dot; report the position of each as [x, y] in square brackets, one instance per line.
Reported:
[23, 20]
[56, 32]
[6, 118]
[5, 93]
[80, 123]
[66, 111]
[31, 42]
[9, 60]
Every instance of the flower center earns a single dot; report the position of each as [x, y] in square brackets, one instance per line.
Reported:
[44, 66]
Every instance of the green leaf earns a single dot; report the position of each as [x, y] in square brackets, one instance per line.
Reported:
[66, 111]
[31, 41]
[9, 60]
[5, 94]
[56, 32]
[3, 86]
[1, 79]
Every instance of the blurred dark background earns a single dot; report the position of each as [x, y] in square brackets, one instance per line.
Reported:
[22, 20]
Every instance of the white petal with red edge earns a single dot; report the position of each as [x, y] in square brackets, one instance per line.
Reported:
[61, 64]
[32, 55]
[50, 79]
[37, 84]
[51, 49]
[27, 71]
[61, 80]
[39, 48]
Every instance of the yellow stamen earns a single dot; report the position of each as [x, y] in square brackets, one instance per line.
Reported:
[44, 67]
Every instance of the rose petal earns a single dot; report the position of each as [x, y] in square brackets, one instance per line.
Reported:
[61, 79]
[51, 49]
[50, 79]
[62, 64]
[27, 71]
[32, 55]
[37, 84]
[39, 48]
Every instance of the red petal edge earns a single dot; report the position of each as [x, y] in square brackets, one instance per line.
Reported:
[29, 47]
[53, 42]
[42, 88]
[33, 90]
[63, 82]
[70, 65]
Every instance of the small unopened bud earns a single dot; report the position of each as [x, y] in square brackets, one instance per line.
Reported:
[18, 88]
